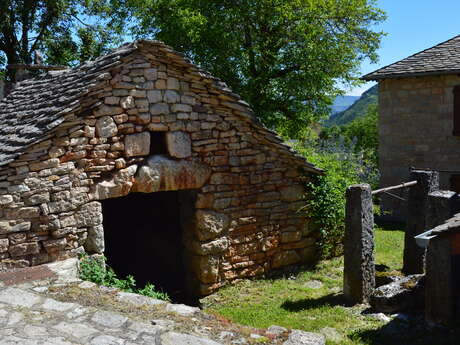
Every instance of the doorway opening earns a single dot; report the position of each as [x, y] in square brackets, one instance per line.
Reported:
[143, 238]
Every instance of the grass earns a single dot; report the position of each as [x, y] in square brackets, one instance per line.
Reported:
[291, 302]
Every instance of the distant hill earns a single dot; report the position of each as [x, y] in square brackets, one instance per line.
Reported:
[359, 108]
[342, 103]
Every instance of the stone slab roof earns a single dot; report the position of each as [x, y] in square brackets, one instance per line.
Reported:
[36, 107]
[449, 226]
[443, 58]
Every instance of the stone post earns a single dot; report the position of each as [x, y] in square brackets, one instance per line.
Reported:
[427, 182]
[359, 268]
[439, 299]
[441, 206]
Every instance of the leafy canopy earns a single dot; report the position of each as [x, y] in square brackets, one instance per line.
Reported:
[65, 31]
[285, 57]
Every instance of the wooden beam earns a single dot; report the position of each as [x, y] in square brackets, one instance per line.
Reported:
[402, 185]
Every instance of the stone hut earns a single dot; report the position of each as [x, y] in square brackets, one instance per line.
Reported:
[145, 157]
[419, 116]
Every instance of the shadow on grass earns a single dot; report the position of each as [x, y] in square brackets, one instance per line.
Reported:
[389, 225]
[312, 303]
[415, 332]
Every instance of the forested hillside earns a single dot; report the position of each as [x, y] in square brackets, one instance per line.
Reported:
[342, 103]
[358, 109]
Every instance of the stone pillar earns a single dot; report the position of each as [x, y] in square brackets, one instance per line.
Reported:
[439, 298]
[441, 206]
[359, 268]
[427, 182]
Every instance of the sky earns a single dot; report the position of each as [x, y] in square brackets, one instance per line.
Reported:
[412, 26]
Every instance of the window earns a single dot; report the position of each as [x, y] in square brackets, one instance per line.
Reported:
[158, 143]
[456, 130]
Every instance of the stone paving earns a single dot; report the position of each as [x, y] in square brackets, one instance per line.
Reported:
[31, 315]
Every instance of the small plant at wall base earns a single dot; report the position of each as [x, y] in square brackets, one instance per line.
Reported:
[96, 270]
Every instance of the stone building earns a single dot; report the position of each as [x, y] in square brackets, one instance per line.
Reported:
[143, 156]
[419, 116]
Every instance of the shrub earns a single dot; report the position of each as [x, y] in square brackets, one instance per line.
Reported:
[96, 270]
[325, 202]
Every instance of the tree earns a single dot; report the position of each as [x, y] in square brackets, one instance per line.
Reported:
[59, 28]
[285, 57]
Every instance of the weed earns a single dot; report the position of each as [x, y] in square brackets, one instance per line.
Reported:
[96, 270]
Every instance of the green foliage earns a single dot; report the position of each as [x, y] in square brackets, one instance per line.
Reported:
[96, 270]
[362, 133]
[284, 57]
[344, 166]
[65, 31]
[356, 110]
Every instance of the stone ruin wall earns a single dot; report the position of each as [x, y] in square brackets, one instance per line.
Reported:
[415, 129]
[244, 221]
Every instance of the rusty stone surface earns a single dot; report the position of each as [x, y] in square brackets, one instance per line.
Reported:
[25, 275]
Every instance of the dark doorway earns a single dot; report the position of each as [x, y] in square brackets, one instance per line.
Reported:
[143, 237]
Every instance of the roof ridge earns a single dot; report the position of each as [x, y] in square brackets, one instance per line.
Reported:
[377, 74]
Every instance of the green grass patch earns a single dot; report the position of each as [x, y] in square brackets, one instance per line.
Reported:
[294, 302]
[389, 246]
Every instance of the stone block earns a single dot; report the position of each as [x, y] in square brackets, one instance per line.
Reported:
[17, 238]
[13, 226]
[6, 200]
[4, 243]
[210, 224]
[151, 73]
[441, 206]
[120, 184]
[37, 199]
[127, 102]
[207, 268]
[106, 127]
[179, 144]
[173, 84]
[50, 163]
[217, 246]
[137, 144]
[24, 249]
[89, 214]
[285, 258]
[163, 174]
[159, 109]
[171, 96]
[55, 246]
[292, 193]
[107, 110]
[95, 241]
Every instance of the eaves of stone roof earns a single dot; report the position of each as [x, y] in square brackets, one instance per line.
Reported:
[443, 58]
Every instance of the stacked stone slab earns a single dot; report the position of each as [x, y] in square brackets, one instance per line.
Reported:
[70, 139]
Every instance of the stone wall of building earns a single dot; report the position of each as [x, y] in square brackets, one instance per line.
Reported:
[415, 130]
[243, 218]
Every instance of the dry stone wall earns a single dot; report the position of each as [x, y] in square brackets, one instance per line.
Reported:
[243, 218]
